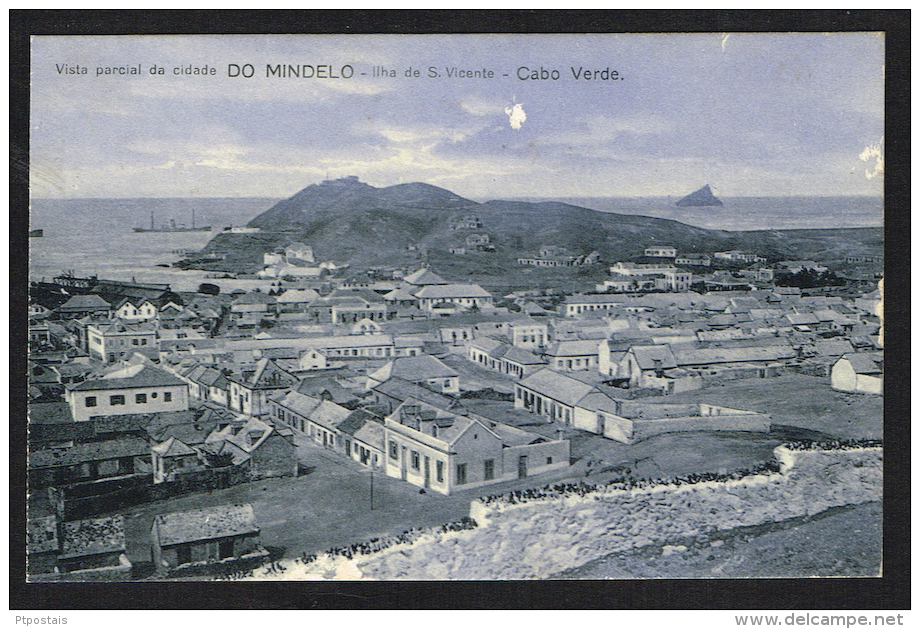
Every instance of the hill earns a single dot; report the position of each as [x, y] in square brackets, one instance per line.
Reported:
[346, 220]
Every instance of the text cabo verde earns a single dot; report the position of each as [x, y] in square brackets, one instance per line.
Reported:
[525, 73]
[290, 71]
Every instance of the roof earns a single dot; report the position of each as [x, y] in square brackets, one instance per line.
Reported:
[522, 357]
[84, 302]
[448, 291]
[355, 421]
[297, 296]
[733, 355]
[42, 534]
[371, 433]
[172, 447]
[557, 386]
[415, 368]
[400, 294]
[401, 390]
[146, 376]
[299, 403]
[594, 298]
[329, 414]
[92, 537]
[202, 524]
[91, 451]
[120, 327]
[423, 277]
[573, 348]
[866, 363]
[653, 356]
[267, 375]
[252, 298]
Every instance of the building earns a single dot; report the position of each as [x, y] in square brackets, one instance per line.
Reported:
[575, 355]
[507, 359]
[693, 259]
[94, 549]
[269, 448]
[859, 373]
[660, 251]
[603, 302]
[738, 256]
[553, 395]
[632, 277]
[214, 535]
[249, 390]
[425, 370]
[629, 422]
[442, 297]
[136, 389]
[90, 461]
[111, 341]
[445, 452]
[83, 305]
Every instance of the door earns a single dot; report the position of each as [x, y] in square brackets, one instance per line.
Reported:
[522, 467]
[427, 472]
[402, 463]
[226, 548]
[183, 554]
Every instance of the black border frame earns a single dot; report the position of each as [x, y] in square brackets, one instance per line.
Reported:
[889, 592]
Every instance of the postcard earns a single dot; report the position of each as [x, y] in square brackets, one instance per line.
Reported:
[456, 307]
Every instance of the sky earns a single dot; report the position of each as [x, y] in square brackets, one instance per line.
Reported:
[751, 114]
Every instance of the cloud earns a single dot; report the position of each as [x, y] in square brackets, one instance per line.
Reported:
[516, 115]
[876, 152]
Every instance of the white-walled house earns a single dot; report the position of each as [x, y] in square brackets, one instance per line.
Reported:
[426, 370]
[461, 296]
[858, 373]
[444, 452]
[136, 389]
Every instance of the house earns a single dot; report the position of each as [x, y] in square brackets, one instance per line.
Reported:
[507, 359]
[250, 389]
[137, 309]
[528, 334]
[693, 259]
[458, 296]
[859, 373]
[390, 394]
[738, 256]
[172, 458]
[797, 266]
[90, 461]
[629, 422]
[551, 394]
[445, 452]
[642, 365]
[139, 388]
[42, 545]
[660, 252]
[424, 277]
[295, 300]
[578, 304]
[425, 370]
[83, 305]
[574, 355]
[270, 447]
[111, 341]
[94, 549]
[298, 251]
[632, 277]
[213, 535]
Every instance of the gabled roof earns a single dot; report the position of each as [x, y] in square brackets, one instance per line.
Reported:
[297, 296]
[172, 447]
[423, 277]
[573, 348]
[91, 451]
[401, 390]
[252, 298]
[418, 368]
[452, 291]
[84, 302]
[865, 363]
[557, 386]
[266, 375]
[145, 377]
[522, 357]
[653, 356]
[733, 355]
[201, 524]
[299, 403]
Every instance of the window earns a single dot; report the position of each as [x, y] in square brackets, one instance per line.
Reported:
[140, 398]
[143, 341]
[461, 473]
[394, 450]
[116, 400]
[489, 469]
[415, 460]
[439, 471]
[167, 396]
[154, 395]
[549, 460]
[91, 401]
[135, 341]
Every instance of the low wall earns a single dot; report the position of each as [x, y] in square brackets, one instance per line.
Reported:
[535, 534]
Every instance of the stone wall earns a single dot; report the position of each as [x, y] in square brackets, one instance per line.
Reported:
[531, 535]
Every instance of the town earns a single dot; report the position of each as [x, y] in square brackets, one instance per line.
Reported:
[192, 434]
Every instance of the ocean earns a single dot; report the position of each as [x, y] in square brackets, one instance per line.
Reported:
[95, 236]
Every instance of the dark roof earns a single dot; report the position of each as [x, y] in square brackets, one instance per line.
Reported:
[42, 534]
[146, 377]
[79, 303]
[92, 537]
[401, 390]
[351, 424]
[85, 452]
[49, 413]
[202, 524]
